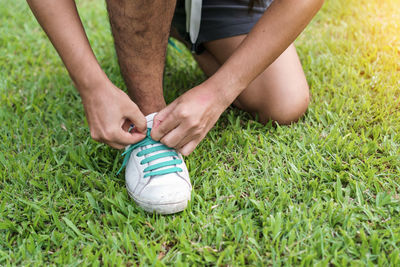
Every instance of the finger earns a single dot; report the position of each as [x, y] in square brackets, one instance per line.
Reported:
[174, 137]
[185, 140]
[165, 127]
[129, 127]
[125, 138]
[189, 147]
[166, 124]
[162, 114]
[137, 118]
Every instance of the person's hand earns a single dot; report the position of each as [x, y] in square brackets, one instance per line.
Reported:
[187, 120]
[110, 112]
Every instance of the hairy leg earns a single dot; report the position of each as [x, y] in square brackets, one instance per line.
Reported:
[141, 30]
[280, 93]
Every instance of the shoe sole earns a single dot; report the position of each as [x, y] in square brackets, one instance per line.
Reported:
[164, 209]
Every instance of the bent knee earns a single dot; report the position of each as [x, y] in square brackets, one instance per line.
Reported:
[286, 110]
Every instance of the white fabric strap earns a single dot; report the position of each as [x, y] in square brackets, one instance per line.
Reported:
[193, 18]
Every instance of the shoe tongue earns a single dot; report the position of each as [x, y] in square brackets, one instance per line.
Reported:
[149, 119]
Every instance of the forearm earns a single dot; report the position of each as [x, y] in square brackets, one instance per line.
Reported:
[61, 22]
[283, 21]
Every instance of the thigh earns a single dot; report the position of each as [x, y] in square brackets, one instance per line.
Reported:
[277, 91]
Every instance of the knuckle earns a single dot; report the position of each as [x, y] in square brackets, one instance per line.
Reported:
[184, 113]
[191, 124]
[198, 131]
[203, 129]
[195, 123]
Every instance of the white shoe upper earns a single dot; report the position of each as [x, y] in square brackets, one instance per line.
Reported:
[165, 193]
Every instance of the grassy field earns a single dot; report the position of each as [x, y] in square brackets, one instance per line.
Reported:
[324, 191]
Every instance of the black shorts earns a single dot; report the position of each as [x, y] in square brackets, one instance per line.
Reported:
[220, 19]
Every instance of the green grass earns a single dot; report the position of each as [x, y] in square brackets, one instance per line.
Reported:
[324, 191]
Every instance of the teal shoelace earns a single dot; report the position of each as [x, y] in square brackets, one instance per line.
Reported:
[152, 170]
[173, 44]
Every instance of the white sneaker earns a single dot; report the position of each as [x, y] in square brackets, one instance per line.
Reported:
[156, 176]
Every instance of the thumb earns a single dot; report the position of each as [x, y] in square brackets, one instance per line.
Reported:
[137, 118]
[125, 138]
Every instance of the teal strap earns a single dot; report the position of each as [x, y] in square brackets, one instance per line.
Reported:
[163, 164]
[162, 172]
[150, 169]
[158, 156]
[152, 149]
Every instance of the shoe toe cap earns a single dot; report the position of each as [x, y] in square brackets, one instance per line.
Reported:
[162, 194]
